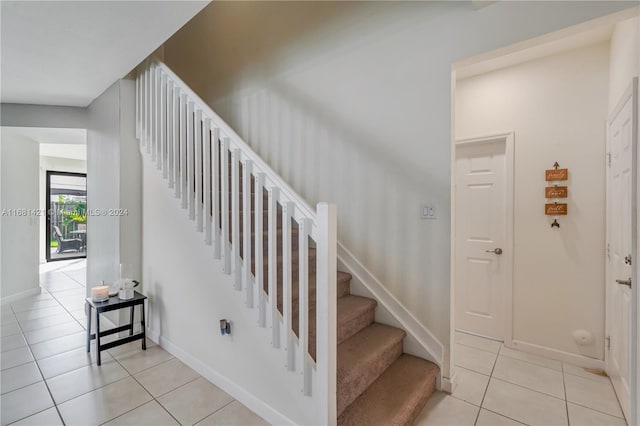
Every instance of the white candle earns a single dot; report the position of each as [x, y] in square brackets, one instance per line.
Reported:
[100, 293]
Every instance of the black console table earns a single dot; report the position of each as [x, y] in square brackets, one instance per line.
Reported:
[112, 304]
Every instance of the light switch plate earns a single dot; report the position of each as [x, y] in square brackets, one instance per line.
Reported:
[428, 211]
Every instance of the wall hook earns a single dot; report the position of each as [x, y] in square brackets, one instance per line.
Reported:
[555, 223]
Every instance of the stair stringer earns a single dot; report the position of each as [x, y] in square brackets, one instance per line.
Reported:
[189, 292]
[419, 341]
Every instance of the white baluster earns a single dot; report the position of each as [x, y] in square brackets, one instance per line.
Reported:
[206, 131]
[149, 109]
[176, 140]
[224, 176]
[184, 177]
[170, 132]
[287, 213]
[215, 172]
[138, 99]
[273, 263]
[191, 162]
[258, 242]
[143, 104]
[303, 304]
[158, 120]
[326, 313]
[198, 170]
[235, 217]
[246, 215]
[154, 115]
[163, 125]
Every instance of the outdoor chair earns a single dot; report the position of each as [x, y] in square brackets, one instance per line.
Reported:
[65, 244]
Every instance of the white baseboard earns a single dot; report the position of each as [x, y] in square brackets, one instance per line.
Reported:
[242, 395]
[18, 296]
[449, 383]
[579, 360]
[417, 334]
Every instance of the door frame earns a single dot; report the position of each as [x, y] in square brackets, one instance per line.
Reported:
[634, 357]
[509, 139]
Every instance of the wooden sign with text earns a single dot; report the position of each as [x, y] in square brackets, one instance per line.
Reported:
[555, 209]
[557, 174]
[555, 192]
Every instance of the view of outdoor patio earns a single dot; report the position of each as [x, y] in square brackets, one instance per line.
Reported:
[67, 215]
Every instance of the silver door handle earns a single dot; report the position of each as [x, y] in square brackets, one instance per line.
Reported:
[495, 251]
[625, 282]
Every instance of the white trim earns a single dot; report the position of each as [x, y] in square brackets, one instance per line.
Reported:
[579, 360]
[433, 349]
[18, 296]
[242, 395]
[449, 384]
[509, 139]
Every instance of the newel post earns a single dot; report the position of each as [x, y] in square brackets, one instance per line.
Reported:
[327, 311]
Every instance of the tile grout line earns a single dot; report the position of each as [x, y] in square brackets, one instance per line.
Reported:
[495, 361]
[566, 399]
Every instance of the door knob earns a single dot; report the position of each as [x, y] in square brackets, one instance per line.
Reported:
[495, 251]
[625, 282]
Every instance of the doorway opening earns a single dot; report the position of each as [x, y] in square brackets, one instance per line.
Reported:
[66, 219]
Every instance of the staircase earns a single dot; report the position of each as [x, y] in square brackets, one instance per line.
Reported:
[282, 254]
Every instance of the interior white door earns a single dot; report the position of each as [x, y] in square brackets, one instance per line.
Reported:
[621, 151]
[480, 229]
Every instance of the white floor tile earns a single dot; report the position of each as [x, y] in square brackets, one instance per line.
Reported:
[532, 358]
[582, 416]
[24, 402]
[15, 357]
[150, 414]
[445, 410]
[15, 341]
[69, 361]
[10, 329]
[597, 395]
[59, 345]
[40, 313]
[30, 305]
[488, 418]
[53, 332]
[104, 404]
[19, 377]
[488, 345]
[524, 405]
[530, 376]
[579, 371]
[48, 417]
[138, 361]
[85, 379]
[166, 377]
[38, 323]
[475, 359]
[471, 386]
[233, 414]
[194, 401]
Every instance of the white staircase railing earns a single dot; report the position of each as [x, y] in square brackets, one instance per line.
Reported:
[192, 145]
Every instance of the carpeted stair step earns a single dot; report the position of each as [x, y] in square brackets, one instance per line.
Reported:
[363, 357]
[344, 284]
[396, 397]
[354, 314]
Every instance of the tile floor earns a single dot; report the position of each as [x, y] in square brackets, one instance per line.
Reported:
[48, 378]
[501, 386]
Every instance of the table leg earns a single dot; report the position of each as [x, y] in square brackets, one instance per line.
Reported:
[131, 321]
[98, 337]
[87, 308]
[144, 328]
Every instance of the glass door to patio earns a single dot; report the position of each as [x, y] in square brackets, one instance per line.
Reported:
[66, 215]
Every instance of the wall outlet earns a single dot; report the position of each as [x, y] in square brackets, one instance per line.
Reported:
[428, 211]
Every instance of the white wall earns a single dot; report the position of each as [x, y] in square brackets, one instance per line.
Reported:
[22, 115]
[557, 107]
[19, 234]
[113, 184]
[57, 164]
[350, 103]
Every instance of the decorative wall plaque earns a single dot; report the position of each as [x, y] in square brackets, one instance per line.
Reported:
[555, 192]
[557, 174]
[555, 209]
